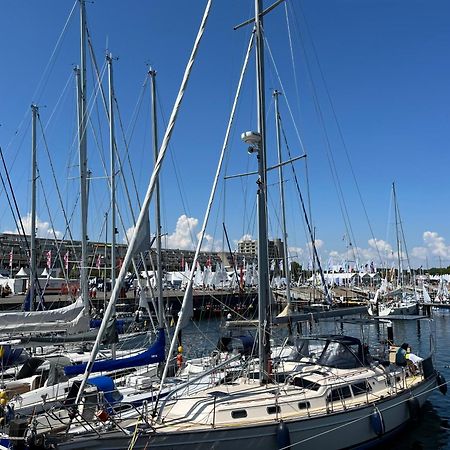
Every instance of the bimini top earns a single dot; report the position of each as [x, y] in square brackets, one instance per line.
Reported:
[343, 352]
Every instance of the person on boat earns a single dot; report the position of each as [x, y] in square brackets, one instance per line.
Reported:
[400, 356]
[413, 361]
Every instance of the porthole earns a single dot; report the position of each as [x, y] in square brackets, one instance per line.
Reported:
[239, 414]
[273, 409]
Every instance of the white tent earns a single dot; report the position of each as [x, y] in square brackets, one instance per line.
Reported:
[21, 273]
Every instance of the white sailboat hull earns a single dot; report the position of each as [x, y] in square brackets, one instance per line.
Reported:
[350, 428]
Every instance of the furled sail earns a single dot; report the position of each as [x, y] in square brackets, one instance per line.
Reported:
[154, 354]
[49, 320]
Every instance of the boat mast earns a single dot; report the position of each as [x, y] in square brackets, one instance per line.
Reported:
[105, 259]
[112, 180]
[159, 281]
[287, 274]
[82, 143]
[397, 232]
[263, 253]
[34, 113]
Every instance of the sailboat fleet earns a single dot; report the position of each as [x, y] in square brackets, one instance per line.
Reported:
[327, 392]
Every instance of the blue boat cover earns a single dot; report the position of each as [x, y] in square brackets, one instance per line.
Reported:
[154, 354]
[107, 386]
[9, 355]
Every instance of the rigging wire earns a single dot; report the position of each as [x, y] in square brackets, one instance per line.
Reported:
[52, 169]
[44, 75]
[334, 172]
[341, 134]
[19, 218]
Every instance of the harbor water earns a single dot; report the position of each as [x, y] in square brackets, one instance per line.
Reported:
[432, 430]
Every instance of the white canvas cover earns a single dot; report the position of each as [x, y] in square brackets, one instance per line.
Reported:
[35, 320]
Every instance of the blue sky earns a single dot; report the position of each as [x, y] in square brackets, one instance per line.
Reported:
[383, 64]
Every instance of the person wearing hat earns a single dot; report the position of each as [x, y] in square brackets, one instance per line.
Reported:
[400, 356]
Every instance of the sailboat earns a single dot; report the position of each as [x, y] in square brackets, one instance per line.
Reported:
[69, 319]
[401, 300]
[343, 399]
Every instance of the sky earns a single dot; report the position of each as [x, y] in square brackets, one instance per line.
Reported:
[365, 94]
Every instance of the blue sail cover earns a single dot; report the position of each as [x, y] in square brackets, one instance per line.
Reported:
[154, 354]
[107, 386]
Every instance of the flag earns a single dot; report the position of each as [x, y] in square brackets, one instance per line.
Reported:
[66, 260]
[99, 262]
[49, 259]
[272, 265]
[182, 262]
[10, 258]
[281, 266]
[208, 262]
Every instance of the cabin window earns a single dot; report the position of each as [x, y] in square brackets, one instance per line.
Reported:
[304, 405]
[340, 393]
[273, 409]
[361, 388]
[306, 384]
[239, 414]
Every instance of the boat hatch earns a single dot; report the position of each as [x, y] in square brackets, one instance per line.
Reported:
[218, 394]
[305, 383]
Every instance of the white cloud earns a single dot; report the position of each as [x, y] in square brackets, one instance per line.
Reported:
[436, 244]
[295, 253]
[419, 253]
[318, 243]
[376, 248]
[43, 229]
[381, 246]
[209, 244]
[183, 235]
[246, 237]
[129, 235]
[435, 247]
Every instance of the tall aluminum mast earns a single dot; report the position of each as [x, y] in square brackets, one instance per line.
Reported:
[263, 253]
[33, 277]
[82, 143]
[159, 280]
